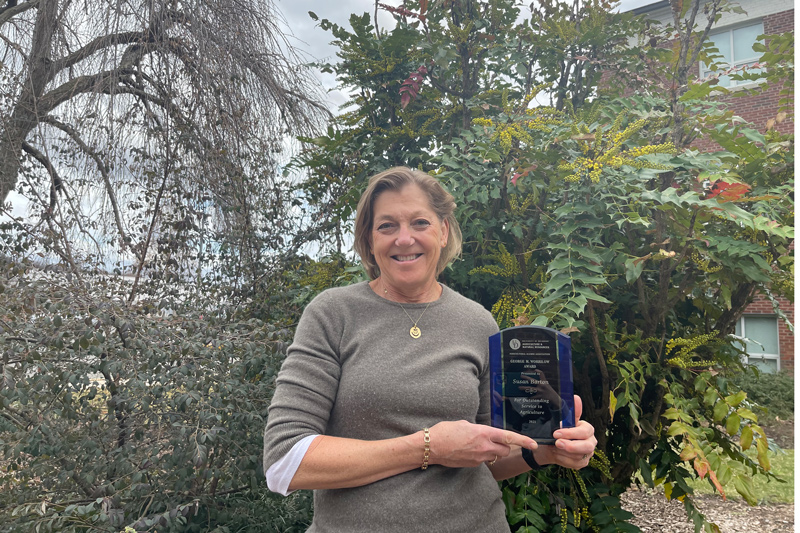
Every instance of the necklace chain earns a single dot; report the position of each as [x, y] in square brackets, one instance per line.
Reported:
[415, 332]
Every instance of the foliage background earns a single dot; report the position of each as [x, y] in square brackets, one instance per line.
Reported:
[139, 402]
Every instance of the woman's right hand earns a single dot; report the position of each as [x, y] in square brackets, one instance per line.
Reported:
[464, 444]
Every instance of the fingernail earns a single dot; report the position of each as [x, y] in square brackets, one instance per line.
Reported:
[561, 444]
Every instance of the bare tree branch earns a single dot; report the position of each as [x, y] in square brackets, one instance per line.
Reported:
[9, 12]
[101, 167]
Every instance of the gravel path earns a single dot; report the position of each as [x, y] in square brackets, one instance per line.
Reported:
[654, 514]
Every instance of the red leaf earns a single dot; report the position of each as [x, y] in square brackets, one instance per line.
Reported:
[728, 191]
[715, 481]
[701, 466]
[515, 177]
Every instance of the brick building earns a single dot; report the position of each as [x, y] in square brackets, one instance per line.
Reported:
[734, 35]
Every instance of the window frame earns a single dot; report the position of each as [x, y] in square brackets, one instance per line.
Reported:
[742, 332]
[706, 72]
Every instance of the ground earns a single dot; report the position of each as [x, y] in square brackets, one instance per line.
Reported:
[654, 514]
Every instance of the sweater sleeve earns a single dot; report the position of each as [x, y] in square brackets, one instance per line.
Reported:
[484, 415]
[307, 383]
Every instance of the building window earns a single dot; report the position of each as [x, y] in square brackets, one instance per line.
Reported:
[736, 50]
[762, 347]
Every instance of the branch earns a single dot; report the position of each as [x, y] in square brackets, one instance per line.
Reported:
[99, 43]
[101, 166]
[97, 83]
[23, 339]
[598, 351]
[56, 184]
[66, 255]
[152, 225]
[711, 21]
[7, 13]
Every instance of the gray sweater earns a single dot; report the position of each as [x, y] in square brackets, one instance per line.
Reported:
[354, 371]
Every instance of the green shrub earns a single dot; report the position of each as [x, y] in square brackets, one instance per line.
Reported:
[146, 415]
[773, 392]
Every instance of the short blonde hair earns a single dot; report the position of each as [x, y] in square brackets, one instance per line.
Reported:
[395, 179]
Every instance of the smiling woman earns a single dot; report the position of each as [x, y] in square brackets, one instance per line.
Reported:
[387, 424]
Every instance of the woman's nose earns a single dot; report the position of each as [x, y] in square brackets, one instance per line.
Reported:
[404, 237]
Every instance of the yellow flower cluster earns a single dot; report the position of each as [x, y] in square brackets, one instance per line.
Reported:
[564, 520]
[683, 358]
[505, 133]
[581, 484]
[784, 286]
[460, 35]
[605, 149]
[505, 309]
[703, 263]
[583, 167]
[507, 268]
[599, 461]
[519, 207]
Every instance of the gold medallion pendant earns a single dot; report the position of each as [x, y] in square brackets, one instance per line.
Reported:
[415, 332]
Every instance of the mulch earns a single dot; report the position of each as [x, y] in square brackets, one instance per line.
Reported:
[654, 514]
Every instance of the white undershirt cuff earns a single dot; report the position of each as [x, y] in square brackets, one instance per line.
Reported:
[282, 471]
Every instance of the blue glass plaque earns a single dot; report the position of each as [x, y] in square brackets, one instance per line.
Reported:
[531, 375]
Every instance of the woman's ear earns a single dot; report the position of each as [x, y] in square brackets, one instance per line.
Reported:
[445, 232]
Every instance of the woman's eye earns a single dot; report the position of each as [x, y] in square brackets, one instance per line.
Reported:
[421, 223]
[385, 226]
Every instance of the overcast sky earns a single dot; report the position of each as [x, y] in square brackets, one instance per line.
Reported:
[315, 42]
[312, 40]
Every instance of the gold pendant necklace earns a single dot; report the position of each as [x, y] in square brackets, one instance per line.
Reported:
[415, 332]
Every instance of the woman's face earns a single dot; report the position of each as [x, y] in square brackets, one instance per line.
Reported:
[407, 238]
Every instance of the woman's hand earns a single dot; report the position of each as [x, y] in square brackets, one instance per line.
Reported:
[463, 444]
[574, 446]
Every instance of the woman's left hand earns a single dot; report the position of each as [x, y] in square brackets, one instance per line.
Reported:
[573, 447]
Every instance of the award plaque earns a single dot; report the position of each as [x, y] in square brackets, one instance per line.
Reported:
[531, 374]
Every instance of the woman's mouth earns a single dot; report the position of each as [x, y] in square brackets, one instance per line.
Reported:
[404, 258]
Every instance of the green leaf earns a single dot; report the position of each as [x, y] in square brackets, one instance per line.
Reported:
[744, 486]
[746, 440]
[747, 414]
[735, 399]
[732, 424]
[720, 411]
[647, 475]
[612, 404]
[633, 269]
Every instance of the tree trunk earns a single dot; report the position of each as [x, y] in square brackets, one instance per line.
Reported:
[26, 113]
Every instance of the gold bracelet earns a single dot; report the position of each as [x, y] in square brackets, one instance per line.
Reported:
[426, 438]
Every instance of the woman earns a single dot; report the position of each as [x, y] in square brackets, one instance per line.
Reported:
[382, 404]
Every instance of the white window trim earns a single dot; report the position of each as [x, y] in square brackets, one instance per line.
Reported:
[706, 73]
[765, 356]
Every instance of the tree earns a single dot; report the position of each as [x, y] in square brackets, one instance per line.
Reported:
[122, 120]
[592, 214]
[147, 137]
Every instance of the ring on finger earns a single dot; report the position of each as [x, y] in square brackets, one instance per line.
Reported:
[585, 456]
[493, 461]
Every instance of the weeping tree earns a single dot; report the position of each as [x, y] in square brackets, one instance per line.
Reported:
[144, 138]
[124, 124]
